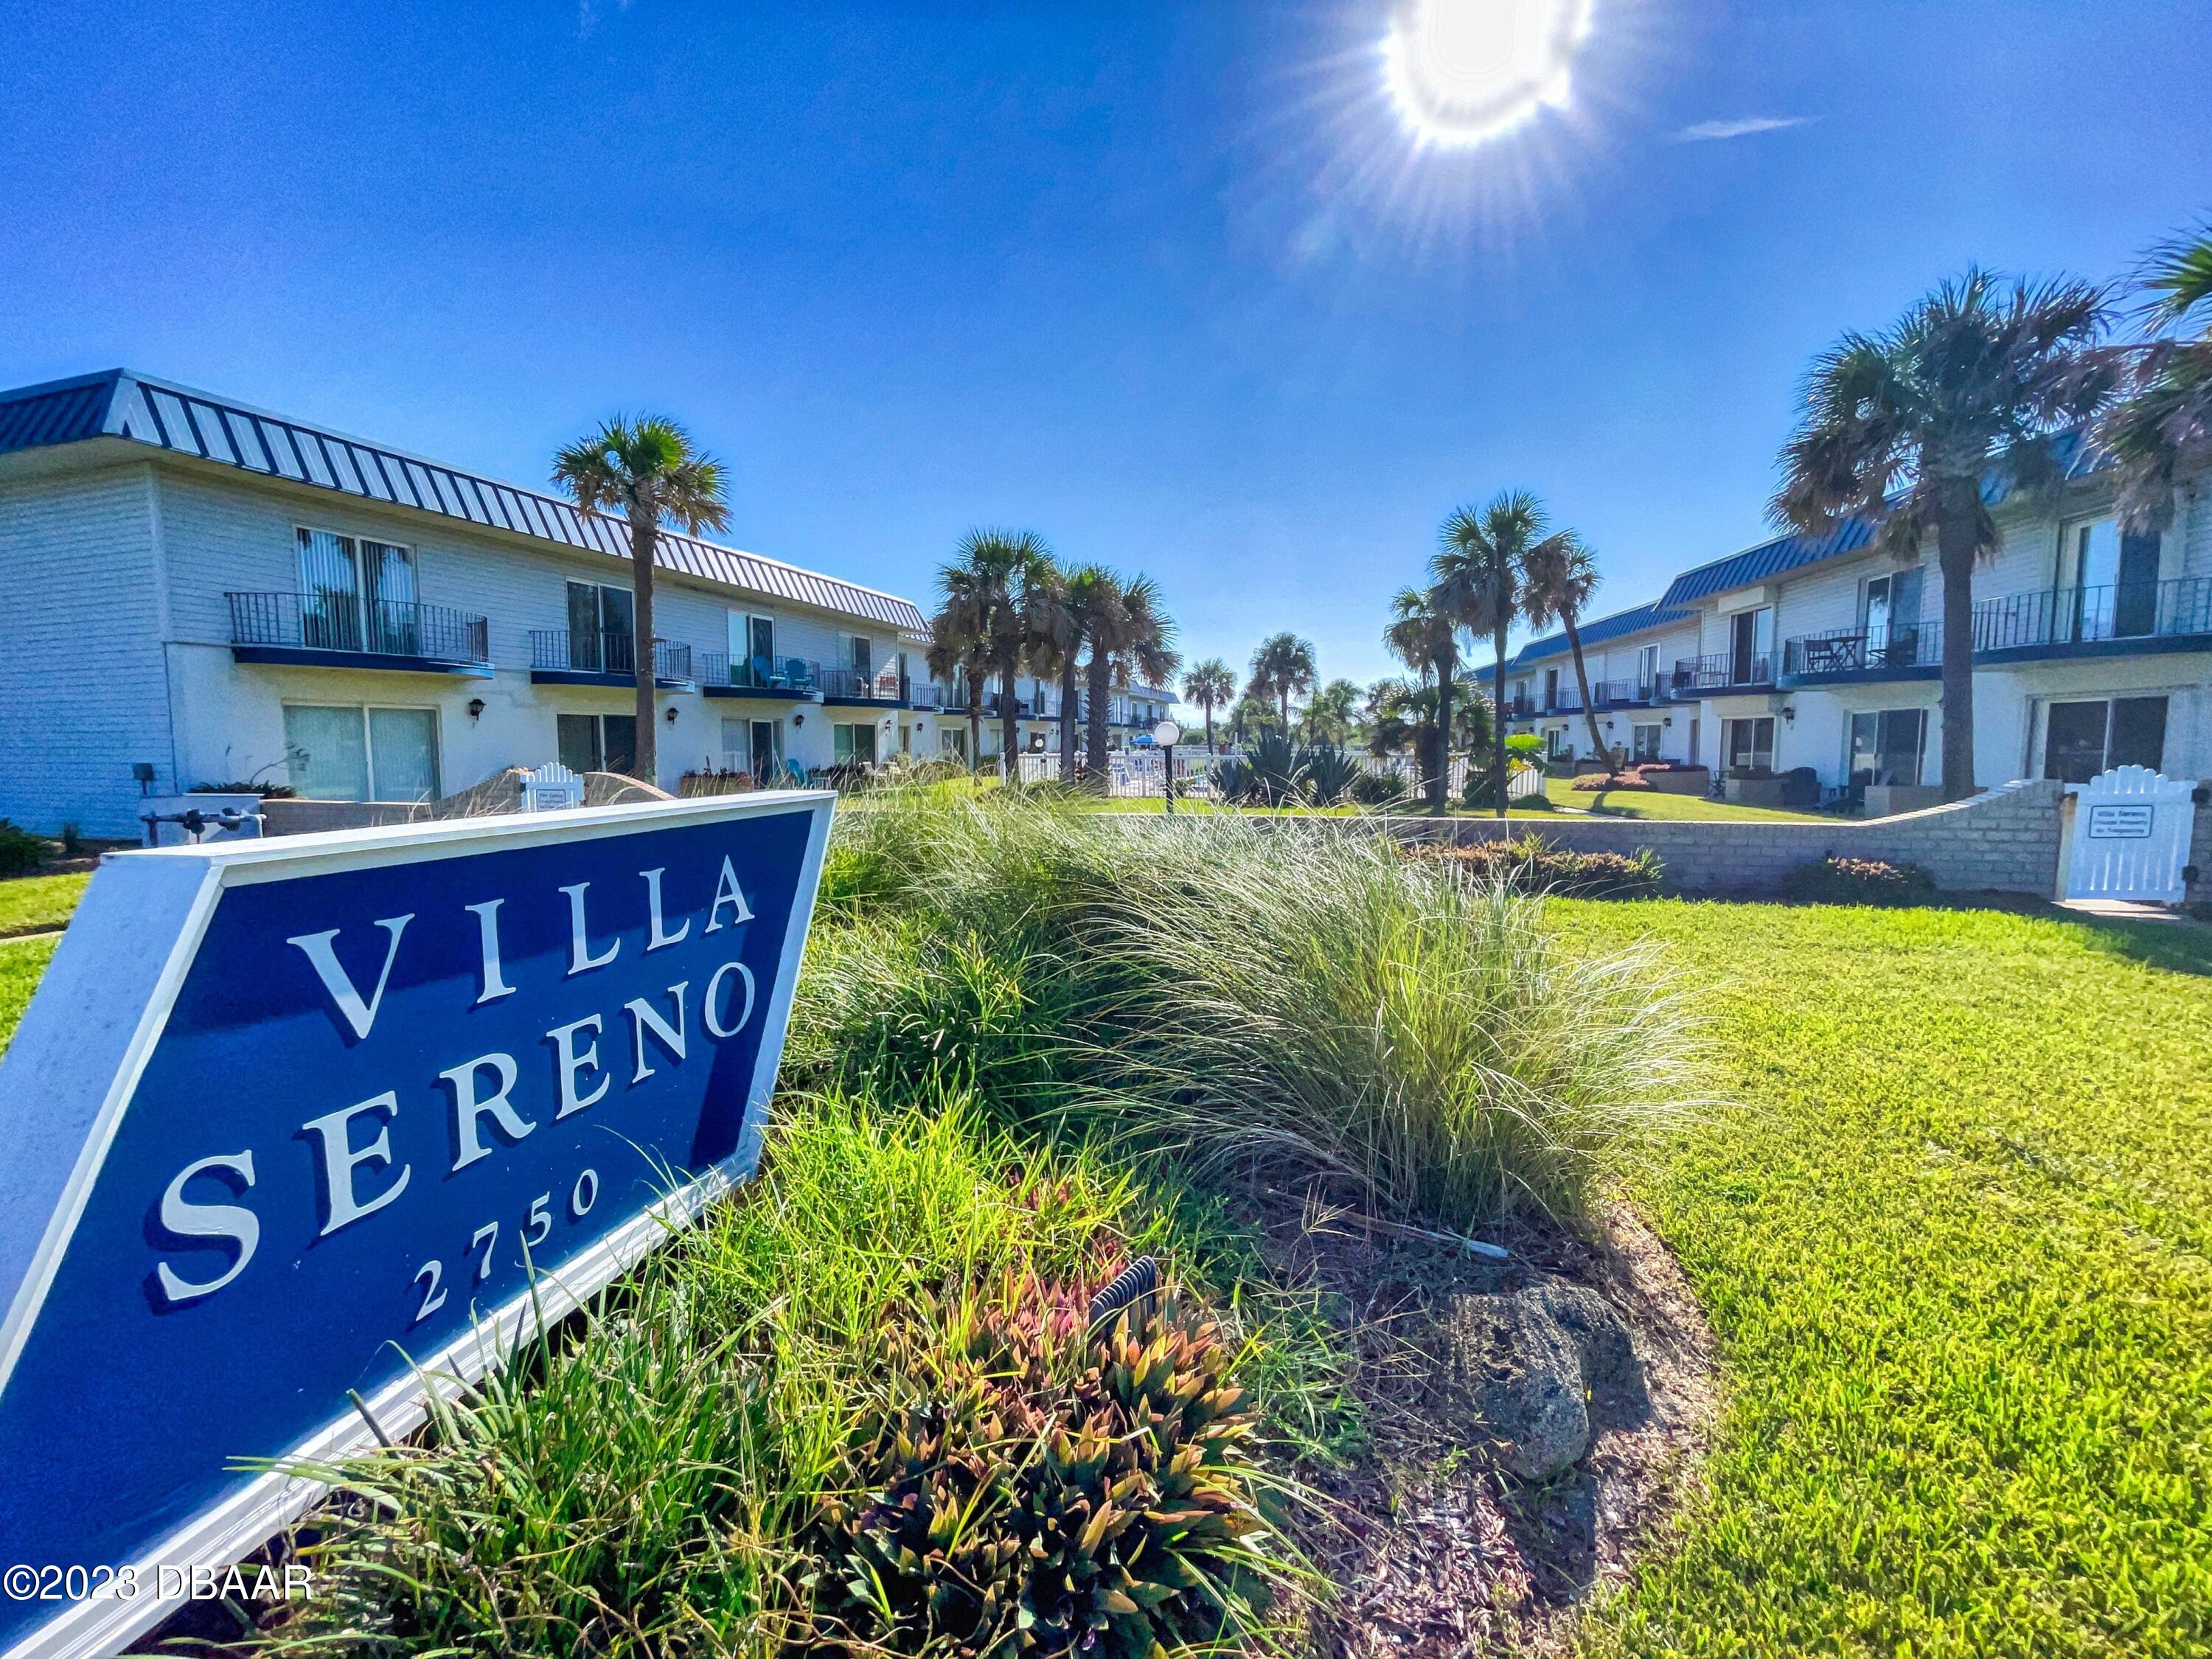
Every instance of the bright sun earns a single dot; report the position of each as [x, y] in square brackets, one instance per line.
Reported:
[1464, 71]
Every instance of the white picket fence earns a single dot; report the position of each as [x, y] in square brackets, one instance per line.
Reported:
[1137, 772]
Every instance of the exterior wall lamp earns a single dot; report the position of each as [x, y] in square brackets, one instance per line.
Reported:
[476, 709]
[670, 715]
[798, 719]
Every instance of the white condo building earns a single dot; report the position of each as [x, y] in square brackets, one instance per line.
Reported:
[2092, 649]
[199, 593]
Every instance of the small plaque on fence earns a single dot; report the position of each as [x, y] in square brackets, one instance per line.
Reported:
[552, 788]
[2120, 822]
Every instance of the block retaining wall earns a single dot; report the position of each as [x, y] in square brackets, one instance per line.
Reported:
[2006, 841]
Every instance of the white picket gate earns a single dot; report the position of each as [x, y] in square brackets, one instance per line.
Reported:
[2131, 829]
[551, 789]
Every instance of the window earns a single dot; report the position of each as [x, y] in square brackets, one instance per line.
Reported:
[602, 631]
[349, 752]
[2081, 739]
[1647, 673]
[952, 740]
[1647, 742]
[1693, 739]
[1751, 646]
[1887, 747]
[598, 742]
[852, 744]
[2110, 582]
[1749, 744]
[754, 746]
[357, 595]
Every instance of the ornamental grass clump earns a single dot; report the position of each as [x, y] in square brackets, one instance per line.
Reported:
[1297, 998]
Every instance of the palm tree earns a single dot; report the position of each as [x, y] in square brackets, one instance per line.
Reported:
[1903, 428]
[1004, 577]
[1330, 714]
[2168, 409]
[960, 648]
[1072, 607]
[1132, 637]
[1209, 684]
[1558, 576]
[1283, 667]
[647, 470]
[1478, 575]
[1426, 638]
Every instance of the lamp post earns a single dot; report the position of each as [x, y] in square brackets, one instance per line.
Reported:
[1167, 734]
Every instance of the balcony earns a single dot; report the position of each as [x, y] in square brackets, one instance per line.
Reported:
[2120, 620]
[586, 656]
[1724, 671]
[926, 694]
[858, 685]
[1863, 655]
[764, 679]
[331, 630]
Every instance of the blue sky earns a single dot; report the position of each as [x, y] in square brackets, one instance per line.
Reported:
[1172, 285]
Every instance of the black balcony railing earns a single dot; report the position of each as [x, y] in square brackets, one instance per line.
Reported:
[603, 650]
[925, 694]
[1721, 671]
[2077, 615]
[882, 687]
[337, 621]
[1874, 650]
[784, 675]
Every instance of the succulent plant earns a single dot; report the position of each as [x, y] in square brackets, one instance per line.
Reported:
[1032, 1486]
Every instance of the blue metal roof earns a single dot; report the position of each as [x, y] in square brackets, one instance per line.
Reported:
[1641, 616]
[119, 404]
[1766, 561]
[2077, 458]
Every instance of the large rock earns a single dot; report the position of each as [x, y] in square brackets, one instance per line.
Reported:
[1517, 1368]
[1611, 1371]
[1535, 1366]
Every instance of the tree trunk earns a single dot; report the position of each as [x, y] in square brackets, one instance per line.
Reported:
[1581, 682]
[974, 720]
[1440, 778]
[1957, 546]
[1498, 716]
[1094, 734]
[1010, 732]
[1067, 717]
[645, 766]
[1208, 707]
[1282, 707]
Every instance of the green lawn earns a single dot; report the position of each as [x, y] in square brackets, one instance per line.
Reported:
[21, 964]
[1951, 1224]
[1652, 804]
[35, 905]
[1953, 1236]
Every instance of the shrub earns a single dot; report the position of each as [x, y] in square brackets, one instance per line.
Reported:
[1232, 780]
[20, 852]
[1378, 788]
[695, 784]
[1029, 1486]
[1838, 880]
[648, 1481]
[72, 842]
[1594, 781]
[1535, 866]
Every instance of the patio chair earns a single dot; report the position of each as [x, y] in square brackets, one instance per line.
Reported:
[795, 671]
[763, 673]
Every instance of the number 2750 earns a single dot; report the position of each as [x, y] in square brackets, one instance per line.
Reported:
[536, 1227]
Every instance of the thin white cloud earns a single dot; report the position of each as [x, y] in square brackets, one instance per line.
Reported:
[1707, 132]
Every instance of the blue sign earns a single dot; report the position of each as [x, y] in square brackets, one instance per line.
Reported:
[289, 1118]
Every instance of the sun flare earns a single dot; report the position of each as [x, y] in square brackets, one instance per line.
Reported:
[1462, 72]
